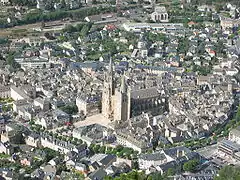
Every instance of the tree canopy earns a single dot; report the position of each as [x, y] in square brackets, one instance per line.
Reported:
[24, 2]
[70, 109]
[213, 2]
[190, 165]
[229, 173]
[40, 16]
[10, 61]
[3, 40]
[135, 175]
[153, 37]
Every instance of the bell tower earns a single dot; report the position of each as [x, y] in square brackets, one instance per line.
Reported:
[108, 93]
[122, 108]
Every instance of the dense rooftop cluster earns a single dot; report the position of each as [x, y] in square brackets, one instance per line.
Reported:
[142, 90]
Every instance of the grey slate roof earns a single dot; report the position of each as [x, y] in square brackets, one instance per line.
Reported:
[107, 159]
[145, 93]
[154, 157]
[98, 174]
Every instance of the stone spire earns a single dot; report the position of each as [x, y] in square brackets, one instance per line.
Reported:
[123, 84]
[110, 68]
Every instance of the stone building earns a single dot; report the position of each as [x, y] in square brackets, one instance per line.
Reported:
[88, 105]
[108, 93]
[159, 14]
[228, 23]
[122, 103]
[5, 91]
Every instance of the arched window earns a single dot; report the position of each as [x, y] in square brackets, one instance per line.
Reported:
[162, 17]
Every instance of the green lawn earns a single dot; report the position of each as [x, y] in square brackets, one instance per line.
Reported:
[2, 156]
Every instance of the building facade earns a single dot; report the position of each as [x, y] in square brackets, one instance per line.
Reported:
[160, 14]
[108, 93]
[88, 105]
[5, 92]
[122, 102]
[234, 135]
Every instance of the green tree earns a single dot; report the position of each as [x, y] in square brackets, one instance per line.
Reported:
[79, 27]
[85, 29]
[170, 172]
[155, 176]
[50, 154]
[135, 165]
[190, 165]
[96, 148]
[10, 58]
[11, 61]
[119, 148]
[4, 40]
[69, 28]
[28, 3]
[109, 150]
[60, 168]
[136, 175]
[238, 114]
[153, 37]
[74, 175]
[4, 108]
[70, 109]
[228, 173]
[183, 45]
[102, 149]
[108, 178]
[133, 175]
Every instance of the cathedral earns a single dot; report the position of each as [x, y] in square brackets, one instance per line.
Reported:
[115, 101]
[122, 103]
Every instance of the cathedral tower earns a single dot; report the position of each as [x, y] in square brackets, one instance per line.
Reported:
[108, 93]
[122, 108]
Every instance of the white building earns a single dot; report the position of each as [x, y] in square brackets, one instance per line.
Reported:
[6, 148]
[5, 91]
[231, 72]
[20, 103]
[34, 62]
[28, 112]
[160, 14]
[24, 92]
[136, 143]
[144, 53]
[148, 160]
[33, 140]
[88, 106]
[162, 157]
[40, 4]
[229, 23]
[5, 2]
[138, 27]
[93, 133]
[62, 146]
[43, 103]
[45, 122]
[17, 94]
[234, 135]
